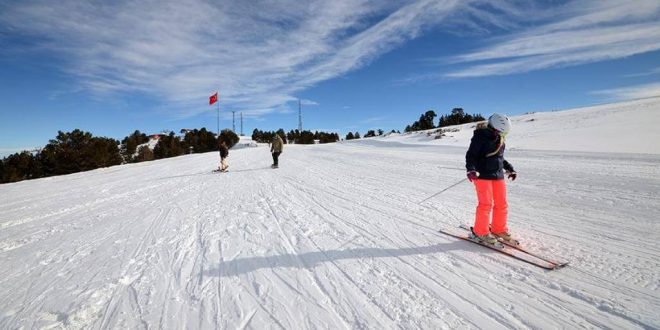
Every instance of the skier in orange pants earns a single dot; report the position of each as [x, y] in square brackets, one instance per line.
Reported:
[485, 164]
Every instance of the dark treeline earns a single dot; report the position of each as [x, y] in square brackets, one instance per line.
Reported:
[295, 136]
[77, 151]
[353, 136]
[370, 133]
[266, 136]
[457, 117]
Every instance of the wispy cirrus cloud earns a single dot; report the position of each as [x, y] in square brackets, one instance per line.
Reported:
[631, 92]
[651, 72]
[580, 32]
[257, 53]
[308, 102]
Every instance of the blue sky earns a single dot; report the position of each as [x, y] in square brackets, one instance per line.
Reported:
[113, 67]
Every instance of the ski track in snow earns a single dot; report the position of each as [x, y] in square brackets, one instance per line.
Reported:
[334, 238]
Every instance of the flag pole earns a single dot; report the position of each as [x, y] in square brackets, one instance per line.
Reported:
[218, 107]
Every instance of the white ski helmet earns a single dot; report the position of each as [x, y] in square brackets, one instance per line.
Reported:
[500, 123]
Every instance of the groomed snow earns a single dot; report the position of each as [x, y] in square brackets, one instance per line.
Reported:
[336, 238]
[627, 127]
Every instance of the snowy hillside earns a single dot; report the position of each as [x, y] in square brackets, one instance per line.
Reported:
[336, 237]
[627, 127]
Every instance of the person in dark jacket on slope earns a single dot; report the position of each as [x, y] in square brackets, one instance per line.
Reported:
[276, 146]
[485, 166]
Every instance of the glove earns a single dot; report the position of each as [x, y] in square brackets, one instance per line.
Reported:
[512, 175]
[472, 175]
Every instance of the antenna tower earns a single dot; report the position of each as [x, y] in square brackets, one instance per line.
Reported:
[299, 115]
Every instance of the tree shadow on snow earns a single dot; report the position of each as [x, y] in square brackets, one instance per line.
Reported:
[312, 259]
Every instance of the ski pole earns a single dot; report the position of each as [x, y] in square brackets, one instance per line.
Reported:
[443, 190]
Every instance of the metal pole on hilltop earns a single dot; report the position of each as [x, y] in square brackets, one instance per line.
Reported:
[241, 123]
[218, 107]
[233, 121]
[299, 115]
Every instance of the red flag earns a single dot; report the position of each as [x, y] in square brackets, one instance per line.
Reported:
[213, 98]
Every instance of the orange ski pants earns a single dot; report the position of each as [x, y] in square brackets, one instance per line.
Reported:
[492, 198]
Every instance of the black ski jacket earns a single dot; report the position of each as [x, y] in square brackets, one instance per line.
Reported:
[484, 157]
[224, 152]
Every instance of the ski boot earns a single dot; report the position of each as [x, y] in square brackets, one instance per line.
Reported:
[487, 239]
[505, 238]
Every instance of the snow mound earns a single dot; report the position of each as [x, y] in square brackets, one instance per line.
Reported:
[626, 127]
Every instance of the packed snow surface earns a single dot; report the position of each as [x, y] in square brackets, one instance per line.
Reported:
[628, 127]
[336, 238]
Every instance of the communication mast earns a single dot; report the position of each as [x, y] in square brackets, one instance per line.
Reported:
[299, 115]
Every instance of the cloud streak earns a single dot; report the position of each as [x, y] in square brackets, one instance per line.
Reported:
[631, 92]
[258, 54]
[580, 32]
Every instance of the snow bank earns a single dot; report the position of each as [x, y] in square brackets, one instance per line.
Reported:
[627, 127]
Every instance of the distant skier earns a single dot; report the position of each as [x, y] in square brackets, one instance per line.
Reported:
[485, 163]
[224, 153]
[276, 146]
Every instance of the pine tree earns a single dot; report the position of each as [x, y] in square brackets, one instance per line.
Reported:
[229, 137]
[168, 146]
[282, 135]
[144, 154]
[18, 167]
[129, 145]
[457, 117]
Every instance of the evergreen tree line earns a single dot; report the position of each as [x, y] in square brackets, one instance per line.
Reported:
[307, 137]
[353, 136]
[370, 133]
[267, 136]
[77, 151]
[457, 117]
[295, 136]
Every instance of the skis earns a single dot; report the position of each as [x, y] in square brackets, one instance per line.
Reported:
[511, 251]
[518, 246]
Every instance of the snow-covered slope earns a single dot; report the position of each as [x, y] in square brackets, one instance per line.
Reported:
[334, 238]
[627, 127]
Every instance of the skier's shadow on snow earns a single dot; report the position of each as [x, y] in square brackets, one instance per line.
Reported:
[312, 259]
